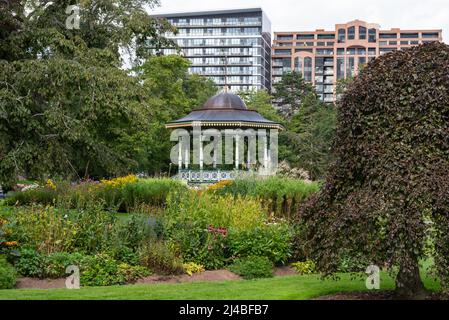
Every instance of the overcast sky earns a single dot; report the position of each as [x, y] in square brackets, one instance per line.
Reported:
[295, 15]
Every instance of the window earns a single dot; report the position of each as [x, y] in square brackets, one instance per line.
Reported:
[324, 51]
[298, 64]
[351, 51]
[361, 51]
[388, 35]
[404, 42]
[251, 30]
[340, 68]
[305, 36]
[340, 51]
[350, 67]
[326, 36]
[341, 35]
[308, 69]
[430, 35]
[372, 35]
[196, 22]
[330, 44]
[371, 51]
[351, 33]
[362, 33]
[232, 21]
[304, 50]
[408, 35]
[321, 44]
[414, 42]
[362, 61]
[392, 43]
[196, 32]
[282, 51]
[284, 37]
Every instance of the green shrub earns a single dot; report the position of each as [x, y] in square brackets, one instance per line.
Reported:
[95, 270]
[160, 257]
[273, 241]
[198, 224]
[252, 267]
[101, 270]
[279, 195]
[7, 275]
[40, 195]
[152, 192]
[49, 229]
[306, 267]
[30, 263]
[115, 196]
[55, 264]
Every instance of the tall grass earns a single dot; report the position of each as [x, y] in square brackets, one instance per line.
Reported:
[280, 196]
[123, 198]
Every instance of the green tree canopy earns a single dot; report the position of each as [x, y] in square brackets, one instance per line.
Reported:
[308, 139]
[386, 197]
[174, 93]
[290, 92]
[261, 101]
[35, 28]
[66, 107]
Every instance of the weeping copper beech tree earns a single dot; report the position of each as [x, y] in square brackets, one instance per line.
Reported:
[385, 200]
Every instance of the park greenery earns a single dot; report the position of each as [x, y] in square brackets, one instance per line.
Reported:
[123, 229]
[83, 111]
[385, 198]
[68, 107]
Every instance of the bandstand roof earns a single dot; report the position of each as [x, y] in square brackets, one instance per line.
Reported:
[224, 110]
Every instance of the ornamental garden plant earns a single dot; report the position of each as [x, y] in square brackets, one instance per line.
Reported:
[385, 200]
[127, 228]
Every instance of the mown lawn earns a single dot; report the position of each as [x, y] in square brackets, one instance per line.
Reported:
[285, 288]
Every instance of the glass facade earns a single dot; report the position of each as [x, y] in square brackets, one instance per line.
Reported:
[231, 47]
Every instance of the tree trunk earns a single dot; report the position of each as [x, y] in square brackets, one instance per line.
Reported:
[408, 281]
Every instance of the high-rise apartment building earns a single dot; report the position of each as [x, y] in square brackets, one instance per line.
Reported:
[324, 57]
[231, 47]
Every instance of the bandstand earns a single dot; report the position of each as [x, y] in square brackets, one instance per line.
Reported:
[250, 141]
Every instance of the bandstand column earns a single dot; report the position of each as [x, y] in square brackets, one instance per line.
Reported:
[180, 154]
[265, 152]
[215, 156]
[186, 157]
[201, 153]
[237, 151]
[249, 155]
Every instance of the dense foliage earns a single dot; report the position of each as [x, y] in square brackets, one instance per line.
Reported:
[168, 228]
[281, 196]
[253, 267]
[291, 92]
[7, 274]
[309, 127]
[385, 200]
[67, 107]
[127, 195]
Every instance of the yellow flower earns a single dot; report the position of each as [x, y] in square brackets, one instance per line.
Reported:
[219, 185]
[50, 184]
[120, 181]
[11, 243]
